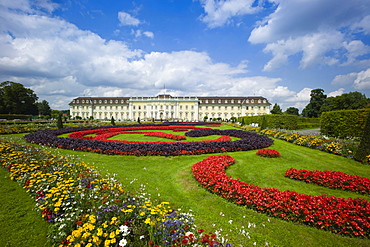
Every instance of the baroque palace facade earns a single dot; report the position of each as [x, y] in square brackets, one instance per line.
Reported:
[166, 107]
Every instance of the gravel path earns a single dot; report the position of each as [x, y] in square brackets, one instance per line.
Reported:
[310, 132]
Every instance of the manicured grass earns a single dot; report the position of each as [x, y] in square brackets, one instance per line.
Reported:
[170, 179]
[20, 224]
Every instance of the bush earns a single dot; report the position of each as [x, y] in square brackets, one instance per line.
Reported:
[364, 147]
[344, 123]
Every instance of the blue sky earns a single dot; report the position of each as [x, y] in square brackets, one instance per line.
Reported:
[278, 49]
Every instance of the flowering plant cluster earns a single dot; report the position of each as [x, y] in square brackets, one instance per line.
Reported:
[86, 209]
[344, 216]
[332, 179]
[341, 148]
[85, 140]
[338, 147]
[269, 153]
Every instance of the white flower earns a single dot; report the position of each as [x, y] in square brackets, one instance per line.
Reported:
[124, 230]
[123, 242]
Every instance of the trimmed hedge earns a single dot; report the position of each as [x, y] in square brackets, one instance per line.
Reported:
[272, 121]
[15, 116]
[344, 123]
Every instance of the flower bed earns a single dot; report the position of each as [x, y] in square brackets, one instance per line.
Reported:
[349, 217]
[84, 207]
[248, 141]
[332, 179]
[269, 153]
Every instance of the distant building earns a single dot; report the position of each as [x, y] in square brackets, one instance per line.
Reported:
[167, 107]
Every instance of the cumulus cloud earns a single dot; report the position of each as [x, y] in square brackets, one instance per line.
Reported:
[314, 28]
[220, 12]
[362, 82]
[341, 80]
[359, 81]
[338, 92]
[127, 20]
[89, 65]
[139, 33]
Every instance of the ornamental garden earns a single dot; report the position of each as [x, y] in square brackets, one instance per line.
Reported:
[191, 184]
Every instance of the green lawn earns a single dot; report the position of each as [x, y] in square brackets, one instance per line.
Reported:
[170, 179]
[20, 224]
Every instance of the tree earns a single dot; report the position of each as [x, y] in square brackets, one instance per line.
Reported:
[276, 109]
[16, 99]
[292, 111]
[59, 122]
[43, 108]
[313, 109]
[346, 101]
[55, 114]
[112, 121]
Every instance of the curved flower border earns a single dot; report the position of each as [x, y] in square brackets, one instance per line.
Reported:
[332, 179]
[338, 215]
[248, 141]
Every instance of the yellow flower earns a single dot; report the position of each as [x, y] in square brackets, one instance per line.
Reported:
[95, 239]
[112, 235]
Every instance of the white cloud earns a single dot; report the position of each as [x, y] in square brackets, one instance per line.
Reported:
[88, 65]
[338, 92]
[341, 80]
[362, 26]
[149, 34]
[139, 33]
[220, 12]
[314, 28]
[127, 20]
[359, 81]
[362, 82]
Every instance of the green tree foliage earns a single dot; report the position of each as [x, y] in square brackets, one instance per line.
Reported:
[292, 111]
[59, 122]
[276, 109]
[43, 108]
[16, 99]
[112, 121]
[313, 109]
[55, 114]
[346, 101]
[364, 147]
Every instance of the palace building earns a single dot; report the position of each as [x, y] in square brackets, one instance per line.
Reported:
[168, 108]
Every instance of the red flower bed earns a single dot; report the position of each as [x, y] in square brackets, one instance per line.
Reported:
[95, 139]
[104, 134]
[338, 215]
[269, 153]
[332, 179]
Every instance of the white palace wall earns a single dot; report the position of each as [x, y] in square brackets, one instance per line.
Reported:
[166, 107]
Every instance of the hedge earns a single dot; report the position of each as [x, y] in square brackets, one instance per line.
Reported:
[272, 121]
[344, 123]
[15, 116]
